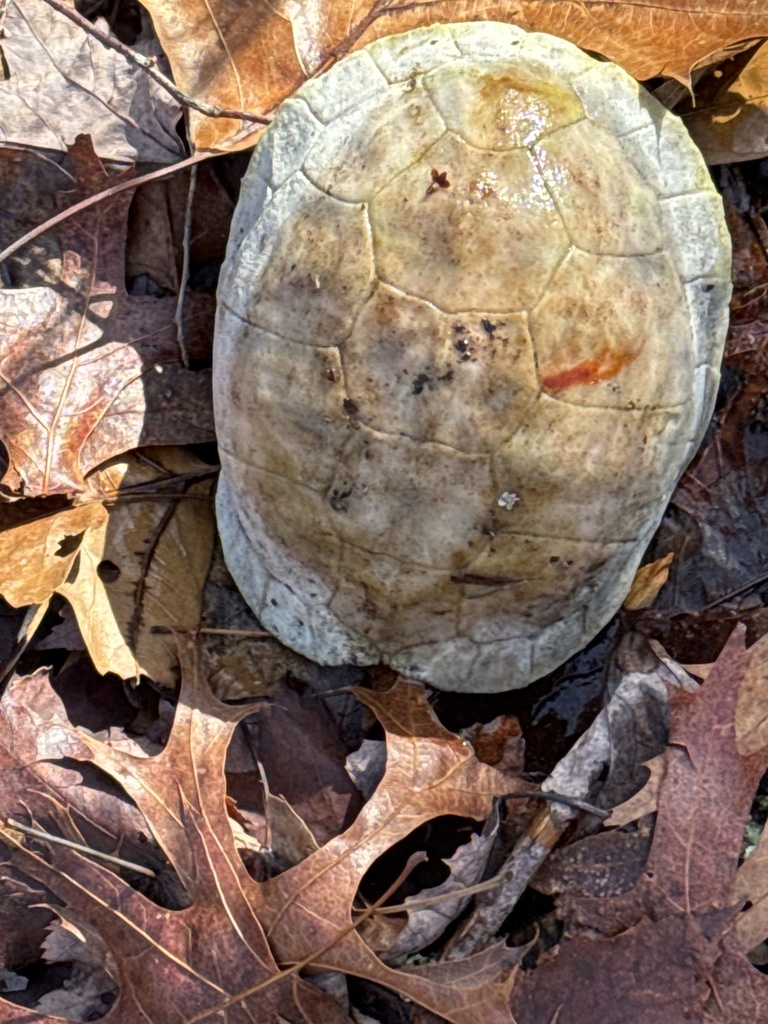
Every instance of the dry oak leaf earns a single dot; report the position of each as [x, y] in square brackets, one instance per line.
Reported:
[126, 570]
[250, 56]
[664, 951]
[429, 772]
[87, 371]
[59, 81]
[170, 965]
[234, 945]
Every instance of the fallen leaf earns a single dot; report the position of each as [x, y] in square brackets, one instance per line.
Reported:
[59, 81]
[88, 371]
[675, 921]
[39, 555]
[734, 126]
[604, 766]
[602, 865]
[425, 924]
[189, 959]
[251, 56]
[126, 572]
[644, 802]
[648, 581]
[752, 885]
[308, 908]
[298, 745]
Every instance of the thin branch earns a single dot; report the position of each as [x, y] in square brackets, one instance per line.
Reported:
[179, 314]
[84, 204]
[150, 66]
[80, 848]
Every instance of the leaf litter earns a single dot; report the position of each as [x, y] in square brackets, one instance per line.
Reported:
[261, 862]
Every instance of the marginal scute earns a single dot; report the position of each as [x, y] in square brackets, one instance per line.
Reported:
[470, 325]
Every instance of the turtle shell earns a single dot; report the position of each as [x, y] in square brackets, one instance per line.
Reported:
[469, 330]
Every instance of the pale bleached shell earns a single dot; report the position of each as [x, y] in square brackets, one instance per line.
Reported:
[450, 419]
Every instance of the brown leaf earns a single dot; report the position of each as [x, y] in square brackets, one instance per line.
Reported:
[191, 959]
[298, 744]
[88, 371]
[644, 802]
[429, 772]
[674, 922]
[648, 581]
[734, 126]
[251, 56]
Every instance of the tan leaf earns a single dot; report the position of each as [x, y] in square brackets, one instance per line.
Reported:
[144, 567]
[140, 566]
[648, 581]
[735, 125]
[60, 82]
[752, 709]
[644, 801]
[307, 909]
[250, 56]
[38, 556]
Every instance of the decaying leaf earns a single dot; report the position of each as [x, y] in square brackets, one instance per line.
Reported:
[251, 56]
[128, 571]
[86, 370]
[190, 959]
[675, 921]
[429, 772]
[60, 82]
[645, 801]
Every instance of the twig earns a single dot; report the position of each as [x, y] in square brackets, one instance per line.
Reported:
[79, 847]
[149, 65]
[178, 316]
[84, 204]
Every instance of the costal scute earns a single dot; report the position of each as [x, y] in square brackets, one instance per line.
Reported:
[469, 330]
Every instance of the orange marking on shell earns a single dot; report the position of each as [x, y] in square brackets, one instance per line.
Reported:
[588, 371]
